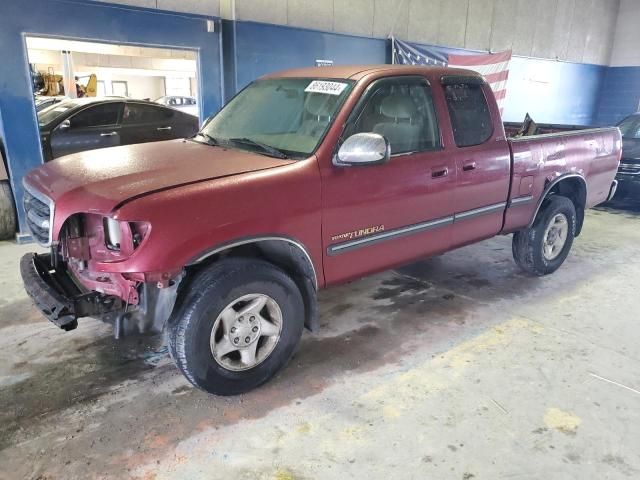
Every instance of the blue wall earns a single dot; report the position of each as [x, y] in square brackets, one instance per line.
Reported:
[261, 48]
[552, 91]
[619, 95]
[83, 20]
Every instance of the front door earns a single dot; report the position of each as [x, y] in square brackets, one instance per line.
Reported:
[94, 127]
[379, 216]
[482, 160]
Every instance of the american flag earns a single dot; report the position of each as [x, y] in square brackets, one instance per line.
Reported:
[493, 66]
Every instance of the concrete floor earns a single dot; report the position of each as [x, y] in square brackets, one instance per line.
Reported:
[459, 367]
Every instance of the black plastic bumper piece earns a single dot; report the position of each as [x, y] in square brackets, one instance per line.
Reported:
[47, 294]
[57, 297]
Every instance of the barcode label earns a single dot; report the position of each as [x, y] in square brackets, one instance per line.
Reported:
[323, 86]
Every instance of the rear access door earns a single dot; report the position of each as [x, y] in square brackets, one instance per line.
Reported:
[482, 159]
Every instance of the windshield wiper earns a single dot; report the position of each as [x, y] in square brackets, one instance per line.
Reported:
[273, 151]
[209, 139]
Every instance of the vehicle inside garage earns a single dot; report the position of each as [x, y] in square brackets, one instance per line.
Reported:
[287, 239]
[64, 68]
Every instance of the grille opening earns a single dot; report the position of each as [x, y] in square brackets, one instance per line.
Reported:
[38, 217]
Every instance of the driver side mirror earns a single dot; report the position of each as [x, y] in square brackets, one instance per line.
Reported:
[363, 149]
[64, 125]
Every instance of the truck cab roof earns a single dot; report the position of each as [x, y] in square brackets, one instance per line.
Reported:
[356, 72]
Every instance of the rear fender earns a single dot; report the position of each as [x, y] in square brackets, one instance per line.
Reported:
[571, 185]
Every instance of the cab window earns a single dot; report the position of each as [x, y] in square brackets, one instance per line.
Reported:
[401, 110]
[469, 112]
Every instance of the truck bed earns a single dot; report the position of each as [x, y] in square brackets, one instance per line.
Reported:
[539, 160]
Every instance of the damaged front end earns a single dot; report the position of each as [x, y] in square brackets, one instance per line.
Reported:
[58, 297]
[82, 277]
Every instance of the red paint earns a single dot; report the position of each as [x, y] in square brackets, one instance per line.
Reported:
[194, 197]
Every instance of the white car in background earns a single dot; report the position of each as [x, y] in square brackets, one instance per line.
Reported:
[182, 103]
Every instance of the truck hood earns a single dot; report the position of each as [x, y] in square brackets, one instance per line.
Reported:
[99, 180]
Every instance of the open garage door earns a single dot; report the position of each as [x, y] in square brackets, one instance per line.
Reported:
[157, 40]
[92, 95]
[69, 69]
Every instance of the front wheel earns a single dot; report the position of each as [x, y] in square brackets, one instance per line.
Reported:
[237, 325]
[541, 249]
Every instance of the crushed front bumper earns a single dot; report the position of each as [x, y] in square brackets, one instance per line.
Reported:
[57, 296]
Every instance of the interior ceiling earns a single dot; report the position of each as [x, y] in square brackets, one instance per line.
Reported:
[56, 44]
[110, 58]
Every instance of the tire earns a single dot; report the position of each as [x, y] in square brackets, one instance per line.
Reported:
[7, 212]
[198, 320]
[529, 245]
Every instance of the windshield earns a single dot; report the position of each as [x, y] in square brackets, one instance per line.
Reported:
[630, 127]
[288, 114]
[47, 115]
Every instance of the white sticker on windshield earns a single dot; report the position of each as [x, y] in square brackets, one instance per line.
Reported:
[323, 86]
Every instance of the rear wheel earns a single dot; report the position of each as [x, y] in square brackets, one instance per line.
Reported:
[237, 325]
[7, 212]
[541, 249]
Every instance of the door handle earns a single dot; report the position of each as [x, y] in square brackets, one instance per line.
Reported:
[439, 173]
[108, 134]
[469, 166]
[163, 128]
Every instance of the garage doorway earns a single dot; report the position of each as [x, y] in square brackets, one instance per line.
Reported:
[62, 68]
[91, 22]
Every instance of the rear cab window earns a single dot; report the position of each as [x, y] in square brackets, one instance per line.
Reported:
[468, 110]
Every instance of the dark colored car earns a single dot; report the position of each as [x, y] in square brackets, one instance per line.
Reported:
[629, 171]
[76, 125]
[46, 102]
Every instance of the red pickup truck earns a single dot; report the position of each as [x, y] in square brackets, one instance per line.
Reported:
[306, 179]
